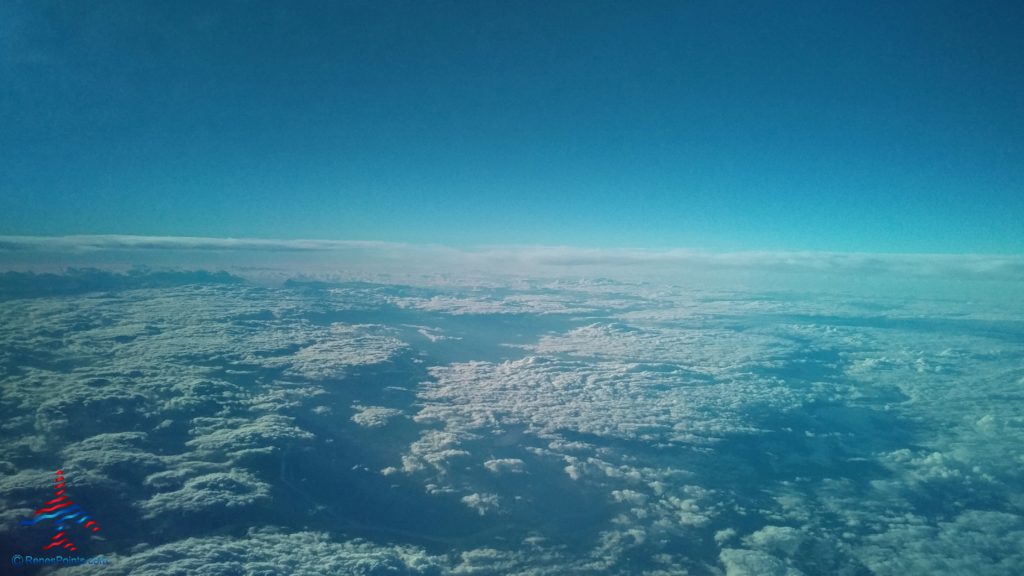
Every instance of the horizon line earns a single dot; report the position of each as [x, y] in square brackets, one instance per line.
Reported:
[86, 242]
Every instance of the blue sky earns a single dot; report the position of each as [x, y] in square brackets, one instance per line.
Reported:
[855, 126]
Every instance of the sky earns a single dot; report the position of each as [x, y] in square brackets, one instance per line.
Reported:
[723, 126]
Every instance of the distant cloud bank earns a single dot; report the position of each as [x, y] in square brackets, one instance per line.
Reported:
[118, 242]
[314, 257]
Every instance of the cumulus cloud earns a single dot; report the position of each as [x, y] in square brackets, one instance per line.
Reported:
[73, 281]
[974, 542]
[435, 449]
[776, 433]
[611, 399]
[505, 465]
[343, 347]
[121, 455]
[781, 540]
[482, 503]
[753, 563]
[517, 304]
[374, 416]
[210, 493]
[674, 351]
[273, 551]
[238, 437]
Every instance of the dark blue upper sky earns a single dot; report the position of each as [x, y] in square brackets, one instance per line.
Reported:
[862, 126]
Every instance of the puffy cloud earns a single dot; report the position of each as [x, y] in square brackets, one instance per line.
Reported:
[183, 471]
[781, 540]
[124, 456]
[374, 416]
[238, 437]
[974, 542]
[18, 486]
[610, 399]
[210, 493]
[85, 280]
[740, 562]
[482, 503]
[486, 304]
[706, 350]
[434, 450]
[288, 397]
[505, 465]
[273, 551]
[343, 347]
[724, 536]
[822, 434]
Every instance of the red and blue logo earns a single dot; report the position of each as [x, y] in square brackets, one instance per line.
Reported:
[65, 515]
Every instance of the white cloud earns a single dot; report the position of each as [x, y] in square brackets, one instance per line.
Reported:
[815, 433]
[212, 492]
[93, 243]
[779, 540]
[482, 503]
[343, 347]
[238, 437]
[273, 551]
[120, 455]
[975, 542]
[322, 256]
[674, 351]
[374, 416]
[611, 399]
[518, 304]
[505, 465]
[433, 334]
[435, 449]
[740, 562]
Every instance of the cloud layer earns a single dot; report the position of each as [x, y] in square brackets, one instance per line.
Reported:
[324, 258]
[536, 426]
